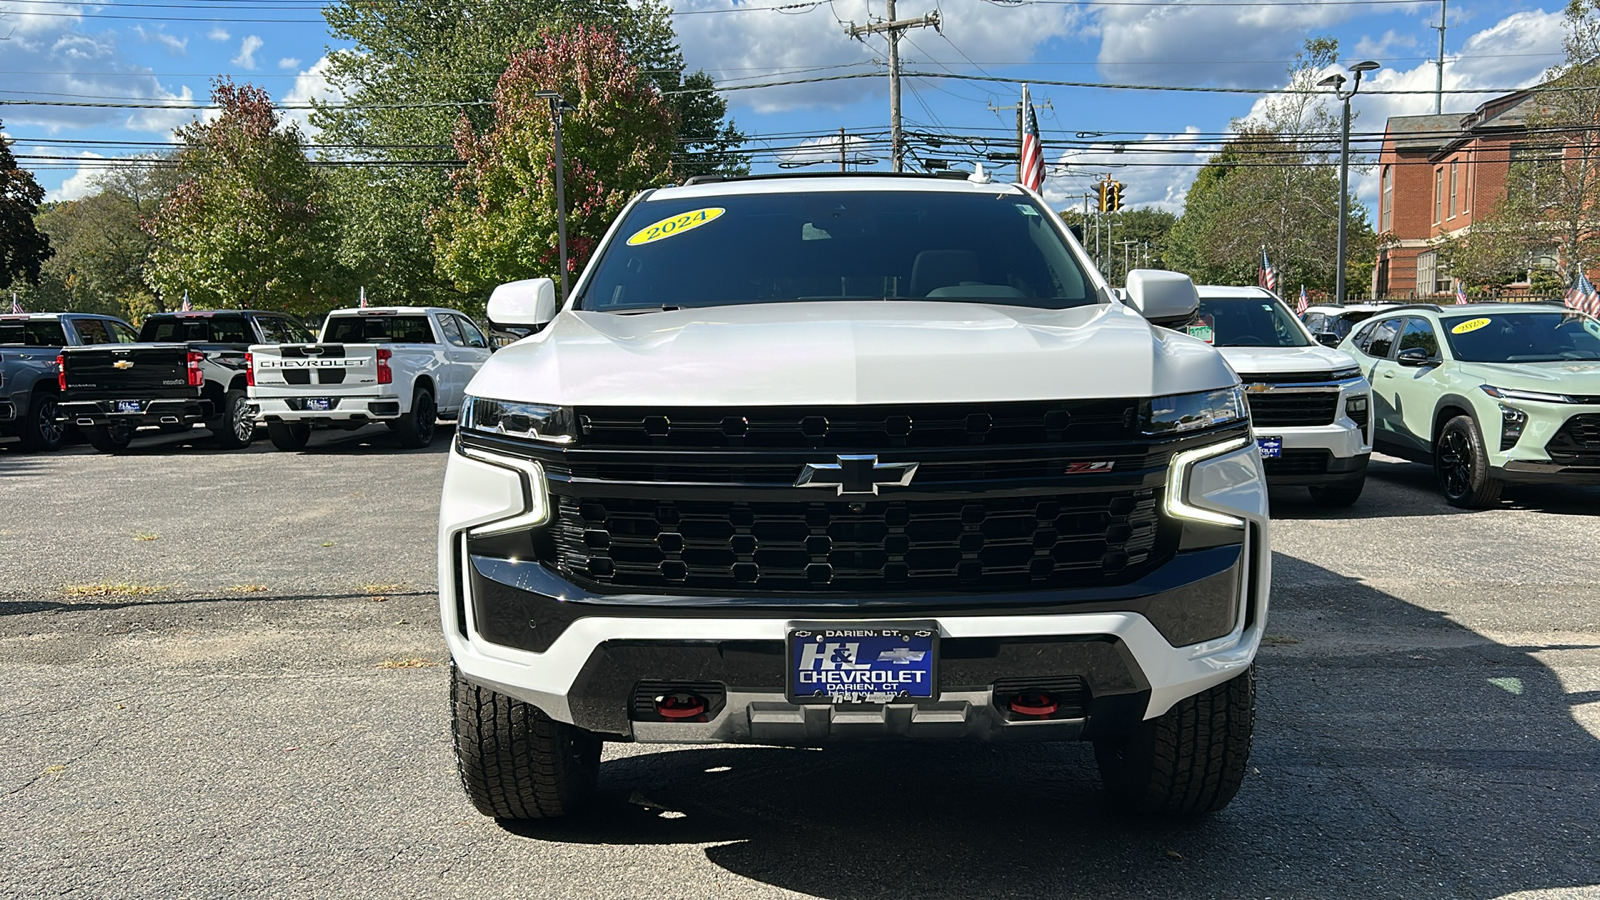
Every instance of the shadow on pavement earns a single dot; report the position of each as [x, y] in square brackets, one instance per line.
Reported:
[1396, 488]
[1417, 759]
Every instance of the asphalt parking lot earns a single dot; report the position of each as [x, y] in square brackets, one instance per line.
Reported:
[222, 677]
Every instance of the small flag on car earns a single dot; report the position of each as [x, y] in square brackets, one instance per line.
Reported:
[1304, 304]
[1582, 295]
[1268, 277]
[363, 297]
[1461, 295]
[185, 307]
[16, 307]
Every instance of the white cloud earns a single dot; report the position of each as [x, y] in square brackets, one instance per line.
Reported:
[312, 84]
[247, 52]
[1367, 48]
[169, 114]
[174, 45]
[218, 33]
[1155, 170]
[81, 183]
[77, 63]
[289, 63]
[825, 151]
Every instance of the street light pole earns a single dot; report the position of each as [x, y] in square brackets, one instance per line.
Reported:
[1337, 83]
[557, 107]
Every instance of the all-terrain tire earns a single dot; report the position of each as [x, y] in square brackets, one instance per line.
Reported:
[416, 428]
[289, 435]
[1461, 461]
[110, 439]
[1189, 761]
[515, 761]
[237, 428]
[41, 431]
[1337, 495]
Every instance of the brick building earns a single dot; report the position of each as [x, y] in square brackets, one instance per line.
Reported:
[1434, 174]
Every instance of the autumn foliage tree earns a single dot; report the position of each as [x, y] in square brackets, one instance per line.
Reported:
[500, 223]
[248, 224]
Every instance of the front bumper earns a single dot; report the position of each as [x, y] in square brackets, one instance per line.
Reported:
[1531, 472]
[1133, 650]
[341, 409]
[8, 412]
[183, 410]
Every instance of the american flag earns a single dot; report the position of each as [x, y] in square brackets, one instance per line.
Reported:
[1304, 304]
[16, 308]
[1268, 276]
[185, 307]
[1461, 295]
[363, 297]
[1582, 296]
[1031, 167]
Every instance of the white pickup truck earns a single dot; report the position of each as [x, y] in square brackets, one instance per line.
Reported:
[404, 366]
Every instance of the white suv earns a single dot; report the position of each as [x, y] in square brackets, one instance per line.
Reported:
[816, 459]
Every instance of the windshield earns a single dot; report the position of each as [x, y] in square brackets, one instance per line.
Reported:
[37, 333]
[1258, 321]
[837, 245]
[372, 329]
[1523, 337]
[200, 329]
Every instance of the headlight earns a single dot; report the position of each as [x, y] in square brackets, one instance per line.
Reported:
[1190, 412]
[1510, 394]
[1342, 374]
[533, 421]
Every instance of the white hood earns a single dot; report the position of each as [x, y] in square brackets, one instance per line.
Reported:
[1249, 361]
[848, 353]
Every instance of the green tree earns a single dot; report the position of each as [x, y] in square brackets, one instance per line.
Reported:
[500, 223]
[1276, 185]
[23, 247]
[1144, 228]
[1551, 209]
[416, 68]
[248, 223]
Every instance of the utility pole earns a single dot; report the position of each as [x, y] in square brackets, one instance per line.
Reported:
[1438, 81]
[1126, 243]
[894, 28]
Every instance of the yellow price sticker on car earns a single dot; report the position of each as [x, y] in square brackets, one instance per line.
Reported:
[1469, 326]
[678, 224]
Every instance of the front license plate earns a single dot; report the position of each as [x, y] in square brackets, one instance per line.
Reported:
[841, 662]
[1271, 447]
[129, 406]
[318, 404]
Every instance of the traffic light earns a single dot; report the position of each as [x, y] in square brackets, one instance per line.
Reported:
[1113, 194]
[1101, 194]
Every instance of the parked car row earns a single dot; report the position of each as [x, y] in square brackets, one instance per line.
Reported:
[233, 370]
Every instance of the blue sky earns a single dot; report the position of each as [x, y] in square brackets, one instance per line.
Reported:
[166, 53]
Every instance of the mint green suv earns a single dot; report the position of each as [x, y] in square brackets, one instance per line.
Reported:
[1485, 393]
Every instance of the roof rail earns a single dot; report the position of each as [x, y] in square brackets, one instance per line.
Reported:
[719, 179]
[1399, 306]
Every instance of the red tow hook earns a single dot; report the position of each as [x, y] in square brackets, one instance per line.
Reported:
[1033, 703]
[680, 706]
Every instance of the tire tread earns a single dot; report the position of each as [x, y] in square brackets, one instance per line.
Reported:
[516, 762]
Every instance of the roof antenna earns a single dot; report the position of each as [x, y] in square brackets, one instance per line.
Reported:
[978, 176]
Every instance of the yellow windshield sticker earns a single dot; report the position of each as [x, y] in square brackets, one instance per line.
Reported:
[678, 224]
[1469, 326]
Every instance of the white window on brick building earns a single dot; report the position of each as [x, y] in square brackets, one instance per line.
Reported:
[1453, 174]
[1438, 195]
[1386, 200]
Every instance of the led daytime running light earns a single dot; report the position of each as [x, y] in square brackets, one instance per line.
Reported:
[1178, 483]
[535, 496]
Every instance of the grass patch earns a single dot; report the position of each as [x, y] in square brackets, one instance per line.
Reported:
[112, 589]
[53, 770]
[415, 662]
[248, 588]
[146, 536]
[329, 544]
[1279, 639]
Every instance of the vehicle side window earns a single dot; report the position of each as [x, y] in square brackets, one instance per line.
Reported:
[278, 330]
[1382, 343]
[1364, 336]
[1314, 322]
[91, 331]
[1419, 334]
[452, 331]
[122, 334]
[470, 331]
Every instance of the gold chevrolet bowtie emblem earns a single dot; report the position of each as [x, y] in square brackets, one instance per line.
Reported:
[122, 364]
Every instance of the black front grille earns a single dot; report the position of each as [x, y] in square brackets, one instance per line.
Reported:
[847, 547]
[1299, 462]
[850, 427]
[1577, 443]
[1291, 408]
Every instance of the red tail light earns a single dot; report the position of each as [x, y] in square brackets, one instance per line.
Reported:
[385, 374]
[250, 369]
[196, 377]
[61, 372]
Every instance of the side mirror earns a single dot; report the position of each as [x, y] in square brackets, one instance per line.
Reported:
[1413, 357]
[1328, 338]
[1165, 298]
[530, 303]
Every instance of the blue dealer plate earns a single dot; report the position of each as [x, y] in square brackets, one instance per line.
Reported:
[318, 404]
[1271, 447]
[129, 406]
[842, 662]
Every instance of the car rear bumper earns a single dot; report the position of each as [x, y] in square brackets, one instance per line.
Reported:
[341, 409]
[184, 410]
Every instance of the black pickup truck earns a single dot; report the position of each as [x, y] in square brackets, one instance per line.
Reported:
[30, 345]
[187, 367]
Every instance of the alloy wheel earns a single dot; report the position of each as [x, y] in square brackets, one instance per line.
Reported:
[1455, 464]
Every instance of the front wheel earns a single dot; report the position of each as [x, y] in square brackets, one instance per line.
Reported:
[289, 435]
[41, 431]
[237, 428]
[1189, 761]
[416, 427]
[113, 438]
[516, 762]
[1337, 495]
[1462, 463]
